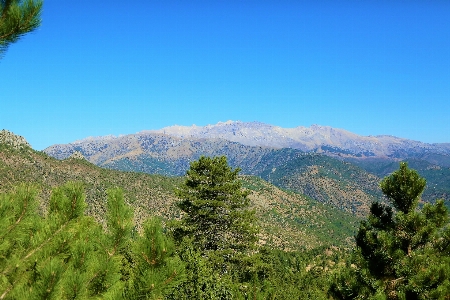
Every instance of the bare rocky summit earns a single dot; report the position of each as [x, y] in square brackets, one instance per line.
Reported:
[14, 140]
[320, 139]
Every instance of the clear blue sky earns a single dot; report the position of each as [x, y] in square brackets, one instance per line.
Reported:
[118, 67]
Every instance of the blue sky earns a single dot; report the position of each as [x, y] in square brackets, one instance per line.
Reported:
[118, 67]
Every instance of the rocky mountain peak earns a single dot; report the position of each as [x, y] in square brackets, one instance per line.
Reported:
[14, 140]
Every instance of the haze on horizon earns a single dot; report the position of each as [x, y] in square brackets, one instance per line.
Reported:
[93, 69]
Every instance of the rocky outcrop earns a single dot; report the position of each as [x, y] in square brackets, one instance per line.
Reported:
[14, 140]
[77, 155]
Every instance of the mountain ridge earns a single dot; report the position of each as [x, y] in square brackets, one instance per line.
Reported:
[311, 138]
[322, 172]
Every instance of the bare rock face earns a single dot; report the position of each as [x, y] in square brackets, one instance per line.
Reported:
[11, 139]
[320, 139]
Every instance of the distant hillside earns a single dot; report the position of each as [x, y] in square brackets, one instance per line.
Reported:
[351, 190]
[438, 177]
[313, 161]
[287, 220]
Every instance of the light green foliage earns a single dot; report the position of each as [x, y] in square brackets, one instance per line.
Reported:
[52, 257]
[400, 254]
[156, 268]
[67, 255]
[17, 18]
[119, 220]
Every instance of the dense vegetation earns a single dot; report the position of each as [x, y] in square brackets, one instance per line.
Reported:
[78, 242]
[287, 220]
[63, 253]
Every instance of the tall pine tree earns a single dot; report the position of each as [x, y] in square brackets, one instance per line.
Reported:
[217, 213]
[217, 217]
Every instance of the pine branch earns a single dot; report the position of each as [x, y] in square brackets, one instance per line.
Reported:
[17, 20]
[6, 5]
[17, 221]
[22, 28]
[6, 271]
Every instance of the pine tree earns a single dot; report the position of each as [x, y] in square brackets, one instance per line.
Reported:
[156, 268]
[16, 19]
[402, 252]
[68, 255]
[216, 212]
[59, 256]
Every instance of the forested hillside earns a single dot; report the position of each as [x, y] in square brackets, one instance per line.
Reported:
[340, 184]
[288, 220]
[211, 234]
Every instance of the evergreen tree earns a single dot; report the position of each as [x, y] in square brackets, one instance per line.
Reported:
[402, 253]
[59, 256]
[67, 255]
[17, 18]
[202, 280]
[216, 211]
[156, 269]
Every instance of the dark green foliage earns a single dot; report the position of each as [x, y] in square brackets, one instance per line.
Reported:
[17, 18]
[402, 254]
[202, 280]
[403, 188]
[217, 214]
[219, 225]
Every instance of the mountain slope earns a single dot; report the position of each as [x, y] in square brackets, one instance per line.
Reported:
[321, 171]
[287, 168]
[287, 220]
[438, 177]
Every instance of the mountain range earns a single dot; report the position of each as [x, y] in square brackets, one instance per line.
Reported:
[330, 165]
[319, 139]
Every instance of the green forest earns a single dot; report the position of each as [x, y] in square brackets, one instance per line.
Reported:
[56, 251]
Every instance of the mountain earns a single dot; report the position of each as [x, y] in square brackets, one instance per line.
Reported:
[320, 139]
[334, 182]
[288, 220]
[330, 165]
[13, 140]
